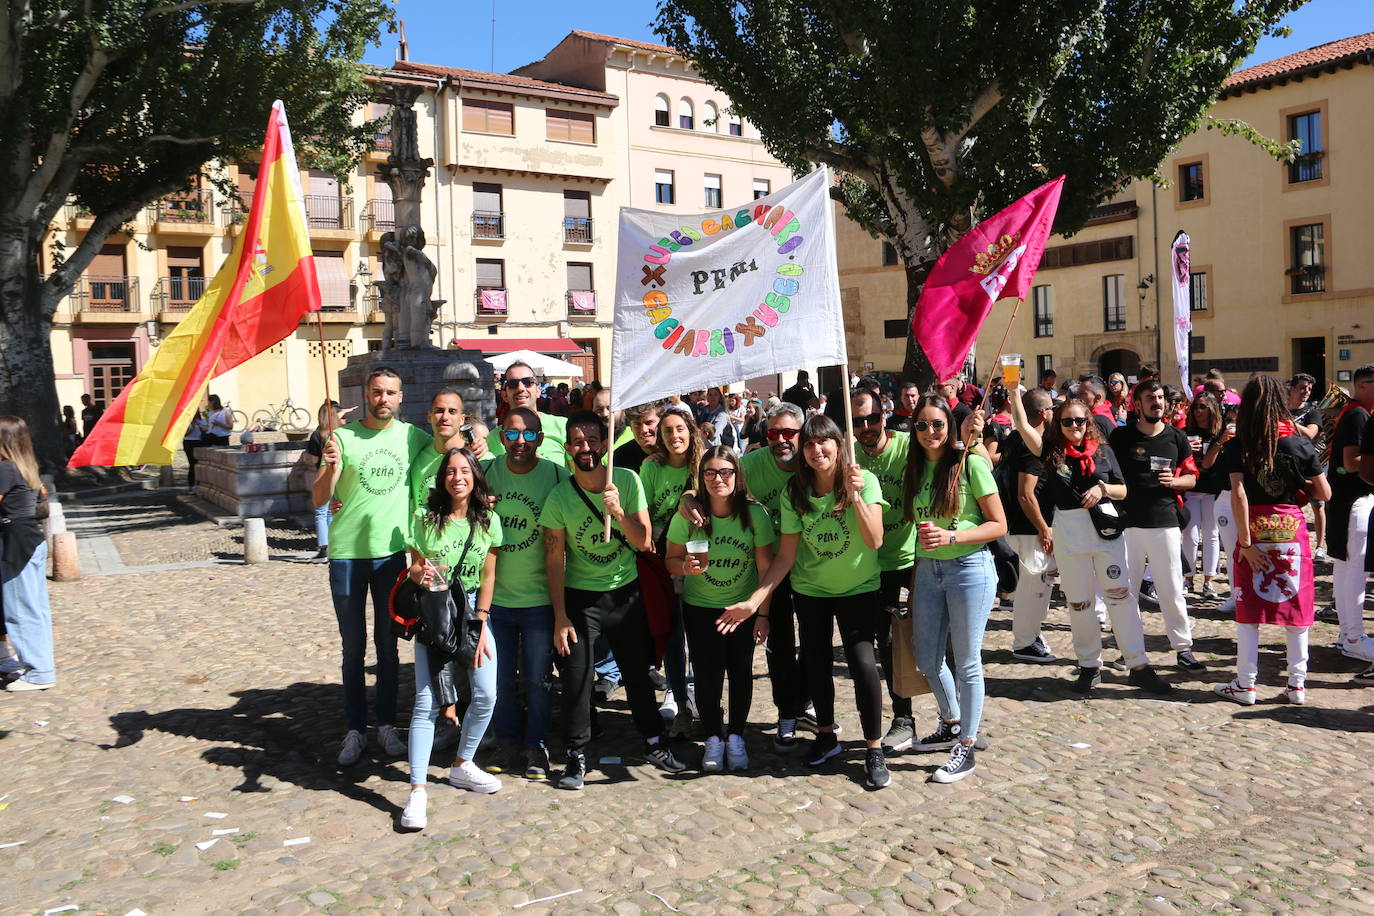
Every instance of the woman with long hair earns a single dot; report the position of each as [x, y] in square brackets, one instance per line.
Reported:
[1272, 467]
[739, 538]
[455, 534]
[1081, 474]
[831, 527]
[954, 499]
[1117, 395]
[1203, 431]
[666, 473]
[23, 582]
[327, 419]
[219, 423]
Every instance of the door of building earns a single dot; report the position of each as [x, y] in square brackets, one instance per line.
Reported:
[1127, 362]
[586, 360]
[1309, 355]
[112, 367]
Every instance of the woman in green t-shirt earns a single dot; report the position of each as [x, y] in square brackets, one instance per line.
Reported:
[457, 533]
[831, 527]
[955, 582]
[665, 474]
[739, 535]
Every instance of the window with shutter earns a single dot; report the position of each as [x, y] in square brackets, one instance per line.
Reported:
[579, 276]
[491, 273]
[487, 117]
[333, 279]
[570, 126]
[577, 216]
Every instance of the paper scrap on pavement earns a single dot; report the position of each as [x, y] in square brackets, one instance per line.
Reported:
[123, 799]
[807, 804]
[135, 912]
[298, 841]
[521, 906]
[41, 722]
[15, 843]
[225, 832]
[60, 909]
[216, 814]
[1080, 745]
[206, 845]
[187, 798]
[664, 902]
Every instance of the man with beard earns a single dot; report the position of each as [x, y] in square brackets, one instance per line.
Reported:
[520, 388]
[365, 464]
[594, 589]
[900, 421]
[521, 615]
[1157, 462]
[885, 454]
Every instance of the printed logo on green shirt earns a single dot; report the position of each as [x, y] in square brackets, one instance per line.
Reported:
[590, 531]
[725, 572]
[380, 471]
[828, 535]
[517, 523]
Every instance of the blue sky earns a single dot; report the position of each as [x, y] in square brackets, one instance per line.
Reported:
[459, 34]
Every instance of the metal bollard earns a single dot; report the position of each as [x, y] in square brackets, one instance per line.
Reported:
[254, 540]
[65, 566]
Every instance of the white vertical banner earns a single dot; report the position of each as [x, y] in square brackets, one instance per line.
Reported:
[716, 298]
[1183, 305]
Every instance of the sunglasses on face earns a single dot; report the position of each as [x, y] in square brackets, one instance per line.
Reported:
[511, 384]
[924, 425]
[515, 435]
[873, 419]
[1066, 422]
[789, 434]
[722, 473]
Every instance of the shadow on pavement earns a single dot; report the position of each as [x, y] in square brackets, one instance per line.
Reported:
[1344, 720]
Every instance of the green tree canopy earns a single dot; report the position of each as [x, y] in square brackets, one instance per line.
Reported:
[939, 112]
[116, 103]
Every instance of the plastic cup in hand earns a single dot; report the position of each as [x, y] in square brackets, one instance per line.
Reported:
[698, 550]
[1158, 463]
[1011, 370]
[437, 582]
[1195, 442]
[1231, 428]
[923, 527]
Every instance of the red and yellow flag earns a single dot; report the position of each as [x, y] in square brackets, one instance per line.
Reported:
[255, 300]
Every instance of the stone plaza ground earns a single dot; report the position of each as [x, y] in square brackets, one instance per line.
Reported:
[198, 695]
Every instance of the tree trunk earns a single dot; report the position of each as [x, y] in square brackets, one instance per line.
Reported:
[28, 386]
[916, 367]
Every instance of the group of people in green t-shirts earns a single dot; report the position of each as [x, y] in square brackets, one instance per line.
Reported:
[776, 547]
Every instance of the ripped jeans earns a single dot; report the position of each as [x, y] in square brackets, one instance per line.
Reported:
[1080, 575]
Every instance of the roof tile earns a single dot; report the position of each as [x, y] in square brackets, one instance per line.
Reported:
[502, 79]
[627, 42]
[1312, 57]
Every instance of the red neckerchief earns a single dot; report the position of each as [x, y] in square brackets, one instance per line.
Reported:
[1084, 457]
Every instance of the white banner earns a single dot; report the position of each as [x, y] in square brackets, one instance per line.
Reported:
[716, 298]
[1183, 306]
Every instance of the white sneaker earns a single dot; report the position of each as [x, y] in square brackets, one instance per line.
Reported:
[352, 748]
[1362, 648]
[11, 664]
[470, 776]
[1229, 604]
[1245, 696]
[735, 753]
[669, 708]
[414, 816]
[714, 759]
[390, 742]
[1296, 695]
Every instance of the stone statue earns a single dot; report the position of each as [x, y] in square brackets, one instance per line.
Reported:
[408, 272]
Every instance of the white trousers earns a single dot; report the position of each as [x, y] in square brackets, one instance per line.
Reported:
[1202, 527]
[1159, 547]
[1081, 575]
[1031, 602]
[1348, 576]
[1247, 654]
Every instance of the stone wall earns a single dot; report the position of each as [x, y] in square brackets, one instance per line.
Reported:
[265, 484]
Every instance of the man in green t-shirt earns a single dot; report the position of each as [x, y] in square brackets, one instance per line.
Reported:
[364, 465]
[520, 388]
[521, 612]
[884, 453]
[446, 421]
[594, 588]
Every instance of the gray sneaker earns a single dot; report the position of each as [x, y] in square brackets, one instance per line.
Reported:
[900, 735]
[352, 748]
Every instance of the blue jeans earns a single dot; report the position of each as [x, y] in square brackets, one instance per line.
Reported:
[675, 659]
[481, 697]
[28, 616]
[524, 639]
[349, 583]
[950, 604]
[323, 517]
[604, 664]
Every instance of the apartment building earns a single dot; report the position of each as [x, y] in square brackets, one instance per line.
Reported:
[1281, 278]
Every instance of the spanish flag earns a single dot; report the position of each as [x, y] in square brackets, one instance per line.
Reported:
[258, 298]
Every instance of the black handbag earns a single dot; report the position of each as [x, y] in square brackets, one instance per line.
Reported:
[1108, 522]
[444, 620]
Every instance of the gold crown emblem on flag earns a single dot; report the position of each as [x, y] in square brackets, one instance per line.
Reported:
[986, 261]
[1275, 529]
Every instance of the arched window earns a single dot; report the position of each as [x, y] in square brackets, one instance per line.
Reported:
[684, 114]
[736, 125]
[710, 118]
[661, 111]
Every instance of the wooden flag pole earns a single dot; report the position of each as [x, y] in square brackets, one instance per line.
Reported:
[610, 469]
[848, 414]
[333, 417]
[987, 389]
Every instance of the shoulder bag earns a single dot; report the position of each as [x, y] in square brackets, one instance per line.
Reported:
[1106, 516]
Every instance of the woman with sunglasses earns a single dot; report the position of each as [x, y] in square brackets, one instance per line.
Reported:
[1080, 472]
[740, 538]
[1117, 396]
[831, 529]
[1203, 431]
[955, 580]
[666, 474]
[455, 536]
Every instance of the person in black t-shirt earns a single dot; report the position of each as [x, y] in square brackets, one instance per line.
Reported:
[1347, 523]
[907, 396]
[643, 423]
[1029, 509]
[1203, 430]
[1307, 418]
[1157, 463]
[801, 394]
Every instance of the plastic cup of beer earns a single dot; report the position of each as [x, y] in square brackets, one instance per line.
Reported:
[1195, 442]
[697, 550]
[1158, 463]
[1011, 370]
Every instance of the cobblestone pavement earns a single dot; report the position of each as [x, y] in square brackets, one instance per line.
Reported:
[205, 699]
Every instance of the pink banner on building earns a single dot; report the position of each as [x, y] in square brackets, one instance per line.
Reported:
[583, 300]
[494, 300]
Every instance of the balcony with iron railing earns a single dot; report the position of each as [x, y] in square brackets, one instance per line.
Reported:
[577, 230]
[496, 304]
[379, 215]
[77, 216]
[185, 213]
[329, 213]
[381, 143]
[179, 293]
[106, 294]
[581, 304]
[488, 225]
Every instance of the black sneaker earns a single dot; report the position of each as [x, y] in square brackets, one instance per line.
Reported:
[959, 765]
[875, 769]
[537, 763]
[1188, 662]
[661, 756]
[657, 679]
[900, 735]
[505, 759]
[1364, 677]
[574, 771]
[1148, 595]
[943, 737]
[1088, 678]
[807, 719]
[1035, 652]
[1146, 679]
[822, 748]
[786, 737]
[1327, 613]
[604, 689]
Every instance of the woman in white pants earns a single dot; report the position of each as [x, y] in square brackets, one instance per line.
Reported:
[1081, 472]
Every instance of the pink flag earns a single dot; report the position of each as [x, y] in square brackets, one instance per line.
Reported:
[997, 258]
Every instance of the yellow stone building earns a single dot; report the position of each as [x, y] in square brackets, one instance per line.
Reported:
[520, 213]
[1282, 277]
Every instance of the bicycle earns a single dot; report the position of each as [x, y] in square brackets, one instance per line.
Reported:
[288, 416]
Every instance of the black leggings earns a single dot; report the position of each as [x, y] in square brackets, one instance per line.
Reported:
[858, 618]
[714, 655]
